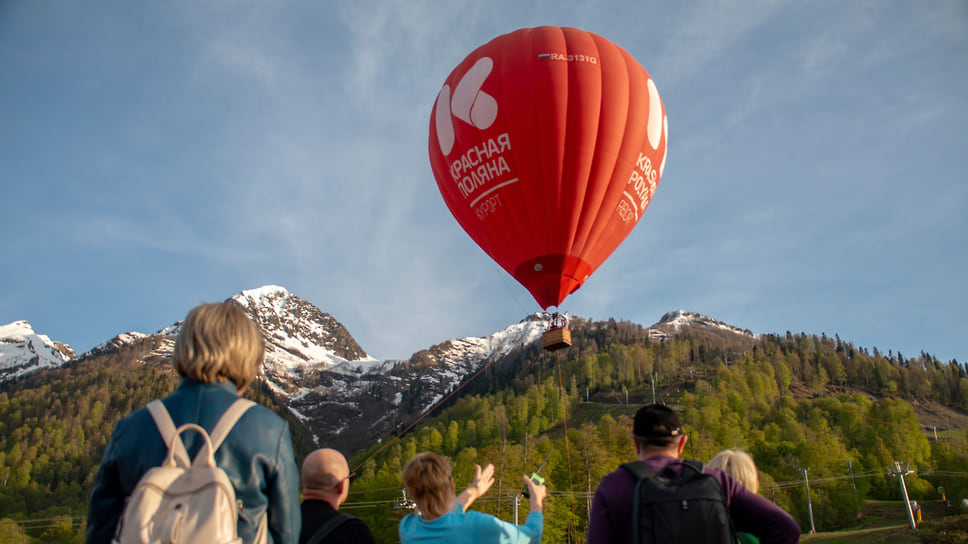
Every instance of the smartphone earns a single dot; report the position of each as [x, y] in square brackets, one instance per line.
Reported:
[535, 478]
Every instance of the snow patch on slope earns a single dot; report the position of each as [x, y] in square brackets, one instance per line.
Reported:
[681, 318]
[23, 351]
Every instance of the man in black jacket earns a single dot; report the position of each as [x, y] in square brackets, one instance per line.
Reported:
[326, 483]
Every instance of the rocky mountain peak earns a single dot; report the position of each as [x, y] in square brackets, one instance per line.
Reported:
[678, 321]
[298, 327]
[23, 351]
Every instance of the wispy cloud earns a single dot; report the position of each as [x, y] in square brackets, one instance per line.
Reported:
[812, 146]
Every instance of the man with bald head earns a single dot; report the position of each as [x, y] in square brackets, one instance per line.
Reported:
[326, 483]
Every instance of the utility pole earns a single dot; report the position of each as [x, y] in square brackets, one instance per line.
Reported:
[907, 502]
[850, 469]
[653, 387]
[516, 501]
[813, 529]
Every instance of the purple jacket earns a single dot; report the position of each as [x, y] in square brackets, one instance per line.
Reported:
[611, 519]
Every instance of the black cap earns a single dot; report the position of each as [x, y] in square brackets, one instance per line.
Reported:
[656, 421]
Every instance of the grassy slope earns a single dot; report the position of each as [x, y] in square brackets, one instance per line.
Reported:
[886, 522]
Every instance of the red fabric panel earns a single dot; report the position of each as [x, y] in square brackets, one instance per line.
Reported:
[540, 145]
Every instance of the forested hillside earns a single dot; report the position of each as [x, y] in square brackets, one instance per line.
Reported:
[796, 402]
[804, 406]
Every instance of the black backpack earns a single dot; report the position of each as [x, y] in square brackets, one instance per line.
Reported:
[681, 509]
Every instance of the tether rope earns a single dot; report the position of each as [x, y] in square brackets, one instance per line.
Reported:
[564, 419]
[426, 413]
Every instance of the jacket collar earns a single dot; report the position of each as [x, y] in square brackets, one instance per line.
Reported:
[188, 384]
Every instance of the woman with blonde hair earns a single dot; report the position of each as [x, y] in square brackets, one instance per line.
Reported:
[443, 517]
[740, 466]
[218, 353]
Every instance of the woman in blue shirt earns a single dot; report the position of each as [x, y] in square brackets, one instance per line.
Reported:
[443, 517]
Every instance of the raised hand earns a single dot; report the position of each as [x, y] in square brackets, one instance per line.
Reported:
[537, 494]
[483, 480]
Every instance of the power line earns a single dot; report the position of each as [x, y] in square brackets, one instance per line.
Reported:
[427, 413]
[580, 494]
[46, 523]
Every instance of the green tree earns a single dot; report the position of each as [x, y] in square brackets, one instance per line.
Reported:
[452, 438]
[12, 533]
[62, 531]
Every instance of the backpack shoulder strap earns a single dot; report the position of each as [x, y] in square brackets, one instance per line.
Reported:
[640, 470]
[692, 469]
[166, 427]
[642, 474]
[328, 527]
[694, 464]
[228, 420]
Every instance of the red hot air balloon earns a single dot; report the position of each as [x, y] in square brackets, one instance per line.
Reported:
[547, 145]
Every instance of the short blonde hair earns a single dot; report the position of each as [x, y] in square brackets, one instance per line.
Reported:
[218, 342]
[428, 477]
[739, 465]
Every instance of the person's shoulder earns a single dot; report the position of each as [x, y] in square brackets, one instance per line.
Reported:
[353, 520]
[662, 461]
[136, 416]
[712, 470]
[479, 522]
[620, 474]
[409, 520]
[259, 415]
[356, 525]
[262, 411]
[616, 482]
[409, 525]
[133, 422]
[351, 525]
[471, 515]
[730, 485]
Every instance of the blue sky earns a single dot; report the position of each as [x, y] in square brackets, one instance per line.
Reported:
[157, 155]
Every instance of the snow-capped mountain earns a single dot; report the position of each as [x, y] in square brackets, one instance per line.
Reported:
[23, 351]
[379, 397]
[297, 328]
[298, 335]
[300, 339]
[314, 367]
[674, 322]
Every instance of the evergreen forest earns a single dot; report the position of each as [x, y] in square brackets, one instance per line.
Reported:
[815, 412]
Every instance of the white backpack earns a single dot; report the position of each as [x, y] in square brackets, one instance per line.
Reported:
[182, 502]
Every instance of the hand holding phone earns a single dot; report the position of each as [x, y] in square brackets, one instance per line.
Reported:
[535, 478]
[535, 493]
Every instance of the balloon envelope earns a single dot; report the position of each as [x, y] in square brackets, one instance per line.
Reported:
[547, 145]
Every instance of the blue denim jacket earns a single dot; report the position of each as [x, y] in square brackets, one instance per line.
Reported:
[257, 455]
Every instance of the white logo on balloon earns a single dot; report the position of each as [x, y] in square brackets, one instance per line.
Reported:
[658, 123]
[477, 108]
[469, 104]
